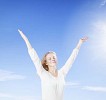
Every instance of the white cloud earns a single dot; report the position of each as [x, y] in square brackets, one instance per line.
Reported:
[7, 75]
[103, 3]
[5, 95]
[72, 83]
[14, 97]
[26, 98]
[94, 88]
[88, 88]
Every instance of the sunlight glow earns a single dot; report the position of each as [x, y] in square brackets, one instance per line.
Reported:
[98, 40]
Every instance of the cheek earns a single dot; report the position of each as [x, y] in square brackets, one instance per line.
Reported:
[47, 62]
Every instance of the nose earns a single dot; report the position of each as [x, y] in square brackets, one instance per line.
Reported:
[53, 60]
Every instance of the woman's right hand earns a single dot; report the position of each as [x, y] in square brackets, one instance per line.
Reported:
[22, 34]
[25, 39]
[20, 31]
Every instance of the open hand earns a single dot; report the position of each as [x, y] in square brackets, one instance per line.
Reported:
[22, 34]
[84, 39]
[20, 31]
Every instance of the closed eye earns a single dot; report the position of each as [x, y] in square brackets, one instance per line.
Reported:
[49, 59]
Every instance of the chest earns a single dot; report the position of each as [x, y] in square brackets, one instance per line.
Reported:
[50, 80]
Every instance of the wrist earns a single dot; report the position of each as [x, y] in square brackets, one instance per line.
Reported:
[80, 41]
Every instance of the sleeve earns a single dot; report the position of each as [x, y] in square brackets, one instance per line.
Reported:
[36, 61]
[64, 70]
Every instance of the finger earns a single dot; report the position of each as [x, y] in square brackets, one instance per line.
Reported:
[19, 30]
[85, 38]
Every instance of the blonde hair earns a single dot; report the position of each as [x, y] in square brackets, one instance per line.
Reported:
[43, 61]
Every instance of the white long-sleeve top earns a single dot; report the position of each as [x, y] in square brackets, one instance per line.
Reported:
[52, 87]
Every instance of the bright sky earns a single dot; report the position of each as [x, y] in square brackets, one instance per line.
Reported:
[55, 25]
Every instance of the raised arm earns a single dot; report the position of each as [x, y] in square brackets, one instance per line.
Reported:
[72, 57]
[32, 54]
[25, 39]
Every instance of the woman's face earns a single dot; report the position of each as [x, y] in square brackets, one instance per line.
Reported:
[51, 60]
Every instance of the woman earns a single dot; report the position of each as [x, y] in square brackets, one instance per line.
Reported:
[52, 80]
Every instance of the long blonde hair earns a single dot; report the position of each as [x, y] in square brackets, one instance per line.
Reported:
[43, 61]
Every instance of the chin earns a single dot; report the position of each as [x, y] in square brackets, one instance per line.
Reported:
[54, 65]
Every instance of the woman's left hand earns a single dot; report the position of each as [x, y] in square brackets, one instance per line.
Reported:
[84, 39]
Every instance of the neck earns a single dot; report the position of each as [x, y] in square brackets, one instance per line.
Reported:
[52, 69]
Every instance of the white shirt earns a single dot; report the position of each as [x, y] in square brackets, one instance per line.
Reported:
[52, 87]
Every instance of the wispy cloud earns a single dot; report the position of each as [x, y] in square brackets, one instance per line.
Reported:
[26, 98]
[94, 88]
[14, 97]
[72, 84]
[7, 75]
[88, 88]
[103, 3]
[5, 95]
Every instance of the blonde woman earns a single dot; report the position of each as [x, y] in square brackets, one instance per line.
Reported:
[52, 80]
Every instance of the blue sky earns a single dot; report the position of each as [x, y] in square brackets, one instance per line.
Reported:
[55, 25]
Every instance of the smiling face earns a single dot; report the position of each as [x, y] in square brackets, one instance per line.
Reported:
[51, 60]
